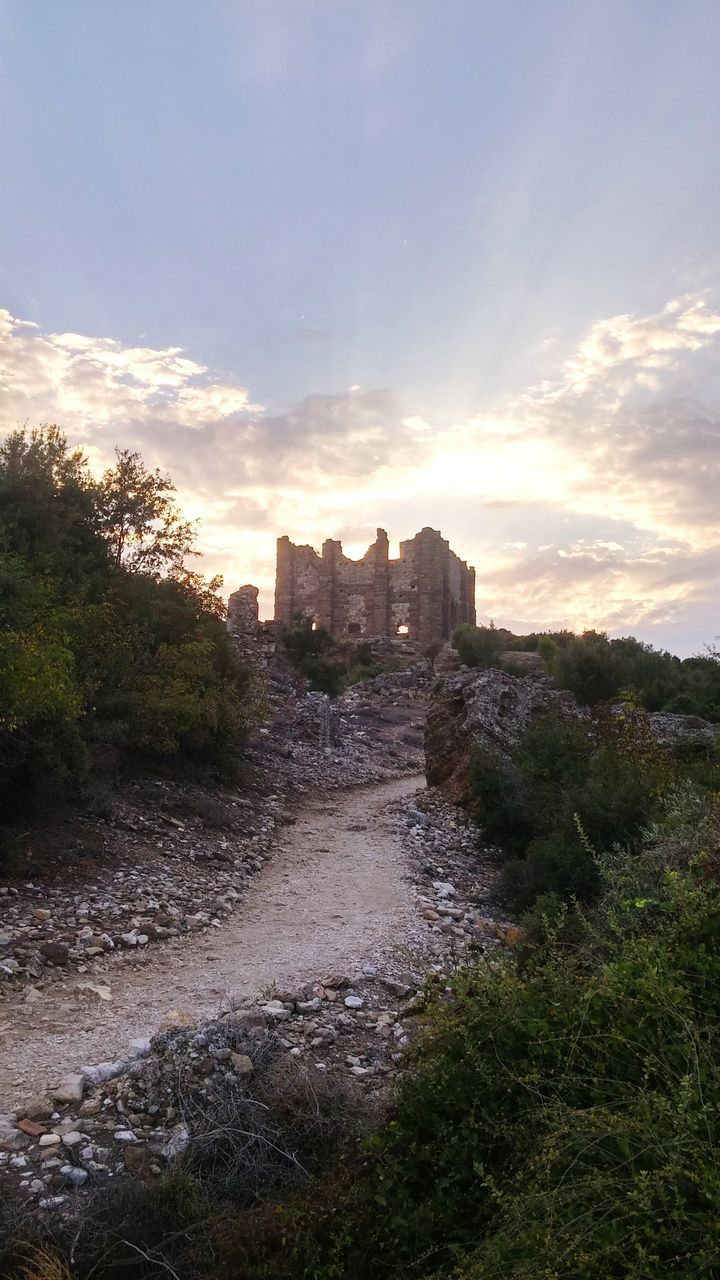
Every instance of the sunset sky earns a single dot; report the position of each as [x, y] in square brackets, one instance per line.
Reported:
[336, 264]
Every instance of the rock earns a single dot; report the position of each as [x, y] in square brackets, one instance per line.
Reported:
[50, 1140]
[176, 1144]
[275, 1011]
[73, 1139]
[75, 1176]
[38, 1109]
[11, 1139]
[243, 1065]
[492, 709]
[125, 1135]
[335, 982]
[55, 952]
[176, 1018]
[483, 708]
[353, 1002]
[103, 1071]
[308, 1006]
[675, 731]
[70, 1089]
[444, 888]
[91, 1107]
[31, 1128]
[41, 914]
[137, 1158]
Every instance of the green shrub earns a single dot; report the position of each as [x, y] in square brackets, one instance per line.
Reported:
[596, 669]
[110, 650]
[569, 788]
[481, 646]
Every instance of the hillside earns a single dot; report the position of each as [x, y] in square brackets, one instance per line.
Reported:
[273, 1007]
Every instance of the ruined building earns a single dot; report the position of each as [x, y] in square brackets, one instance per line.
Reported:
[423, 595]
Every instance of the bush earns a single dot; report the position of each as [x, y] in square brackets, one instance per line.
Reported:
[569, 788]
[110, 650]
[597, 670]
[559, 1117]
[481, 646]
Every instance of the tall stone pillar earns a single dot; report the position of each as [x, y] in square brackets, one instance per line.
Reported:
[328, 601]
[379, 613]
[431, 555]
[284, 581]
[470, 586]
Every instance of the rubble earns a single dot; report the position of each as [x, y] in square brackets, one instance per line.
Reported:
[139, 1114]
[171, 858]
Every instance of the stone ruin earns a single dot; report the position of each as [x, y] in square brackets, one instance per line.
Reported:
[420, 597]
[423, 595]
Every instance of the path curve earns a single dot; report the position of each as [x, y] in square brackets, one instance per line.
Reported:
[334, 894]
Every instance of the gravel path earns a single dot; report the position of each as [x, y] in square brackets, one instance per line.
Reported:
[335, 894]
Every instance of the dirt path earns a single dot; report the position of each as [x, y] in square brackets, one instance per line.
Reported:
[333, 896]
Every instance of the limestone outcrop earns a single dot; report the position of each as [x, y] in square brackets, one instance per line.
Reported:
[490, 708]
[471, 708]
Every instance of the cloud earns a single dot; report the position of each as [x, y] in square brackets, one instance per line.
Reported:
[588, 499]
[88, 383]
[627, 414]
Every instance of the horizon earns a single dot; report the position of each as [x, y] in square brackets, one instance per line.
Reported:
[341, 266]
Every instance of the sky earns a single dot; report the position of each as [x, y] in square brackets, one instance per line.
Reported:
[341, 264]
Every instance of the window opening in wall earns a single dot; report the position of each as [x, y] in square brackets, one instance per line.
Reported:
[354, 628]
[402, 629]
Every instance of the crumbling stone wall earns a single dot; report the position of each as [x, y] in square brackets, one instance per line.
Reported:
[253, 639]
[424, 594]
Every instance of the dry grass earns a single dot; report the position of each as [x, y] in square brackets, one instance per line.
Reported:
[43, 1264]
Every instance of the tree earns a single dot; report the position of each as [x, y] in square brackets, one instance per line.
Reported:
[48, 514]
[140, 520]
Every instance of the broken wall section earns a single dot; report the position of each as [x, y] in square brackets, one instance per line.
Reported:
[423, 595]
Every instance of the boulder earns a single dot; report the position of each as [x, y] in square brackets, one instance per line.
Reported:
[490, 708]
[676, 732]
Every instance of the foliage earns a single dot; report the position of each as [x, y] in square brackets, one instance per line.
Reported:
[596, 669]
[110, 649]
[307, 647]
[139, 519]
[558, 1115]
[481, 646]
[364, 665]
[569, 788]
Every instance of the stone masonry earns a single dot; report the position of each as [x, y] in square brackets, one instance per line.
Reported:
[423, 595]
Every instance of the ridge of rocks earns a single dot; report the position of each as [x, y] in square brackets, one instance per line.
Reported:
[474, 707]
